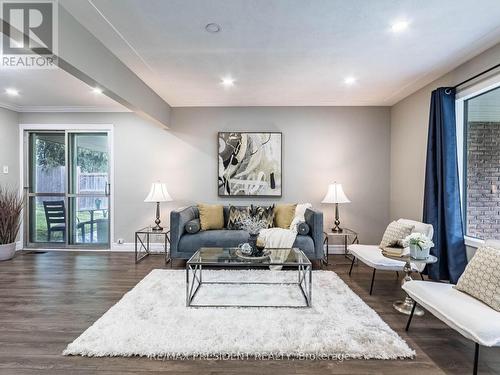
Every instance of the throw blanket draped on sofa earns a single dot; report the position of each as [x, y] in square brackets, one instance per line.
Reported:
[278, 238]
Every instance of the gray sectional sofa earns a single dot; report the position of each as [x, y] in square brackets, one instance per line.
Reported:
[183, 245]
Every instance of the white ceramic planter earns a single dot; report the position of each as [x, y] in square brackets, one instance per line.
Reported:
[417, 253]
[7, 251]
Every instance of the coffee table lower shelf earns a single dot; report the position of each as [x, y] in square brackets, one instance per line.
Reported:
[194, 281]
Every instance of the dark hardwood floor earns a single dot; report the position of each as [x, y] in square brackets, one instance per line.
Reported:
[49, 299]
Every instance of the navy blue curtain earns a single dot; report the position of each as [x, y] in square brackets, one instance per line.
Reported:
[442, 206]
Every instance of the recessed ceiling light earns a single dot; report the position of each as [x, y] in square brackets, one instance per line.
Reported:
[12, 92]
[350, 80]
[213, 28]
[97, 90]
[399, 26]
[227, 81]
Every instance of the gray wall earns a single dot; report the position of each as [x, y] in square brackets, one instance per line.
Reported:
[320, 144]
[409, 124]
[9, 148]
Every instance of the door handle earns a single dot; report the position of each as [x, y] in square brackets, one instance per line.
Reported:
[107, 189]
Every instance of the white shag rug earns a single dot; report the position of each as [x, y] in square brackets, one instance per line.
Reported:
[152, 320]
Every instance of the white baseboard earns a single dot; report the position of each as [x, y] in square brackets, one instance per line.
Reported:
[156, 248]
[130, 247]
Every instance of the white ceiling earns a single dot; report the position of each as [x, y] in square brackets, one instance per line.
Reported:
[51, 90]
[289, 52]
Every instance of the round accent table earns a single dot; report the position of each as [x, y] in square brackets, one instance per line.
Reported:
[406, 305]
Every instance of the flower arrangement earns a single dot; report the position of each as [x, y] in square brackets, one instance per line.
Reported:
[419, 240]
[419, 245]
[253, 225]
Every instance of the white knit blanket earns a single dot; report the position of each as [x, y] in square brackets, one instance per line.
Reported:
[278, 238]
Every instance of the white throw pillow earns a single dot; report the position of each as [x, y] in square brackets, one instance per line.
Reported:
[300, 211]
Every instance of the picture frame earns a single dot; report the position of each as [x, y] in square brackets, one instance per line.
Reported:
[250, 164]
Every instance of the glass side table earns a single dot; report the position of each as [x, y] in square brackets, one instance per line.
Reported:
[348, 236]
[143, 243]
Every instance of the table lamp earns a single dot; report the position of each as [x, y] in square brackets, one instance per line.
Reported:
[157, 194]
[335, 194]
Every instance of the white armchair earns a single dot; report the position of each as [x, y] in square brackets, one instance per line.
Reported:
[371, 255]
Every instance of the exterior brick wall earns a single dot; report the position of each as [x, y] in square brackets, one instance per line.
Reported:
[483, 180]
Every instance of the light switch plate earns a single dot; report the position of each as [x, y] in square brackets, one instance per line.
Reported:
[5, 169]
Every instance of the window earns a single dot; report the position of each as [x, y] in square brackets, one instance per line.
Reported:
[480, 158]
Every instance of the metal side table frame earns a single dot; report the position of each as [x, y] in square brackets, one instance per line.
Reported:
[346, 233]
[143, 244]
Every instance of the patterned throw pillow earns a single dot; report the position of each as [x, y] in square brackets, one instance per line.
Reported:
[481, 278]
[236, 216]
[394, 234]
[264, 213]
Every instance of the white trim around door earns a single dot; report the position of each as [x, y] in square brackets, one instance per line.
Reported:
[74, 128]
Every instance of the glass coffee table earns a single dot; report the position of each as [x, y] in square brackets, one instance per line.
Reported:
[228, 258]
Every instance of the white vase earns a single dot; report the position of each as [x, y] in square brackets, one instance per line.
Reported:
[418, 253]
[7, 251]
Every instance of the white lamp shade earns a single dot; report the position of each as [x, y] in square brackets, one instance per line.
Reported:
[335, 194]
[158, 193]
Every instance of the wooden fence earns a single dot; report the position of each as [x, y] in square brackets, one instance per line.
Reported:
[52, 180]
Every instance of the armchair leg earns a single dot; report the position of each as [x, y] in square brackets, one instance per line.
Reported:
[421, 276]
[373, 280]
[411, 316]
[476, 359]
[397, 274]
[352, 264]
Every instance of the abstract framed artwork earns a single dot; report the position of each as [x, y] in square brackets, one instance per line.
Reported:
[250, 164]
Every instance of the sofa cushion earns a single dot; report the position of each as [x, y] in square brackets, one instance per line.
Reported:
[211, 216]
[212, 238]
[371, 255]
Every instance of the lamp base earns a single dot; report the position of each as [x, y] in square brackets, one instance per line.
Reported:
[157, 228]
[337, 230]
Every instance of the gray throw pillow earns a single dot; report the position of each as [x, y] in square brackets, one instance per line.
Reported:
[303, 228]
[193, 226]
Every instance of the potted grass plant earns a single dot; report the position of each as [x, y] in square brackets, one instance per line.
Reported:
[11, 206]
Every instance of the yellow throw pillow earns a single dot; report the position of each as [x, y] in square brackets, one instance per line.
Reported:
[211, 216]
[283, 215]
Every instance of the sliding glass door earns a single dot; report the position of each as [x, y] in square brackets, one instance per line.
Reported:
[68, 193]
